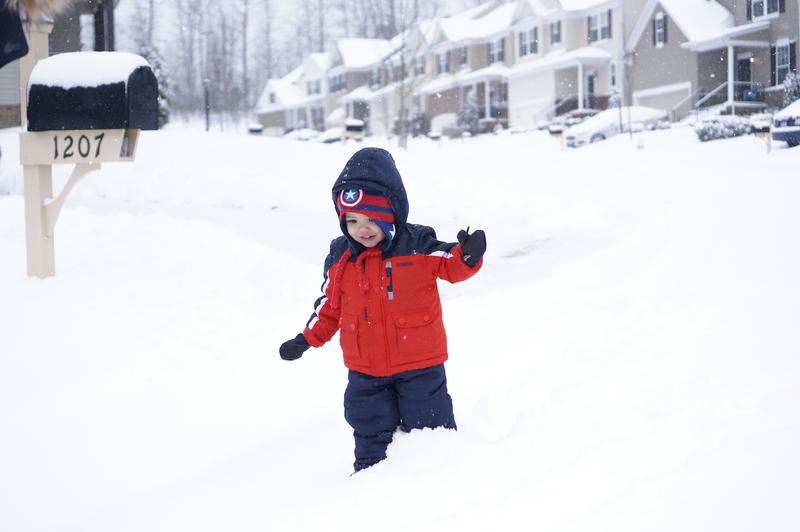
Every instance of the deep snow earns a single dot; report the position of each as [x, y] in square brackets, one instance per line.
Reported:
[626, 360]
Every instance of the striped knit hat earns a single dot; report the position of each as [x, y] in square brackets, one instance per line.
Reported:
[369, 203]
[366, 202]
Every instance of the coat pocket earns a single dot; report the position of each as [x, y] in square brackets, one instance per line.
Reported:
[416, 334]
[348, 338]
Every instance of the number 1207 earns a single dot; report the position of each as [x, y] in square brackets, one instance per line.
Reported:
[82, 147]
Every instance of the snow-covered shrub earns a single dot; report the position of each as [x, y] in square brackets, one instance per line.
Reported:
[791, 88]
[723, 127]
[151, 54]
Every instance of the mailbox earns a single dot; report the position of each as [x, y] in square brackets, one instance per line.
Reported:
[92, 90]
[84, 108]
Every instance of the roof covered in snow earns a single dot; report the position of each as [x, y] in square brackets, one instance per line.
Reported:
[558, 59]
[460, 28]
[363, 53]
[697, 20]
[286, 91]
[584, 5]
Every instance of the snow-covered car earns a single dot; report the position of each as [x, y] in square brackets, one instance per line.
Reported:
[330, 135]
[606, 124]
[786, 124]
[302, 134]
[557, 125]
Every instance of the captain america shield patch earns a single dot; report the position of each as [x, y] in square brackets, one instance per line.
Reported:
[351, 197]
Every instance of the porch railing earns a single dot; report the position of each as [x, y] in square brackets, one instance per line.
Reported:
[745, 94]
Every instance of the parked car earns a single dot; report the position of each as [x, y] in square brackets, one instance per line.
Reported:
[786, 124]
[301, 134]
[558, 124]
[606, 124]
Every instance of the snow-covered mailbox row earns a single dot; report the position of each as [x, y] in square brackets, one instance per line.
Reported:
[84, 108]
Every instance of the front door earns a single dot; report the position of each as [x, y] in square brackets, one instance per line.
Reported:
[743, 79]
[590, 86]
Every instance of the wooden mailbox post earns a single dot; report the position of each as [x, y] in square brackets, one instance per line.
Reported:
[83, 122]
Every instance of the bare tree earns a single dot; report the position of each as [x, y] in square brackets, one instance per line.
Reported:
[245, 70]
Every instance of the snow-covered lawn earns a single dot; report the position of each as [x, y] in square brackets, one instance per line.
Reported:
[627, 360]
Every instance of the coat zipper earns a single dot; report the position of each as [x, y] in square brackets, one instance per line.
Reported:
[389, 291]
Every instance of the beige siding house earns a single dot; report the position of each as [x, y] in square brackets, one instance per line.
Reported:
[575, 60]
[470, 57]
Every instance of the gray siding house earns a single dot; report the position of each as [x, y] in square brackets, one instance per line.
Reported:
[727, 53]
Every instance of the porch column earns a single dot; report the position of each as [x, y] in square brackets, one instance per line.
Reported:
[580, 86]
[731, 66]
[487, 103]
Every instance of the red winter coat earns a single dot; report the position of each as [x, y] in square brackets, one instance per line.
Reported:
[386, 305]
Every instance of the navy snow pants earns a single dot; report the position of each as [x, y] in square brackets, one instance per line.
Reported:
[376, 406]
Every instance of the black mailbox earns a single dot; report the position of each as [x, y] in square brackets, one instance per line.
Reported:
[127, 104]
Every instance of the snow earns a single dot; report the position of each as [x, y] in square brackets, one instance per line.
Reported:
[363, 53]
[610, 117]
[626, 360]
[698, 20]
[493, 23]
[790, 111]
[559, 58]
[85, 69]
[582, 5]
[286, 91]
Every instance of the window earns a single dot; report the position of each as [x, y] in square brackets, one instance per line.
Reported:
[376, 77]
[313, 87]
[463, 55]
[397, 72]
[496, 51]
[659, 30]
[612, 74]
[337, 82]
[271, 97]
[599, 26]
[783, 61]
[555, 32]
[419, 66]
[764, 8]
[528, 42]
[605, 24]
[443, 63]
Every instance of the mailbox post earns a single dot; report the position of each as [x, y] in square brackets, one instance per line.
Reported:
[83, 108]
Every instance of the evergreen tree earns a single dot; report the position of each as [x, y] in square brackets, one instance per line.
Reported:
[470, 112]
[151, 55]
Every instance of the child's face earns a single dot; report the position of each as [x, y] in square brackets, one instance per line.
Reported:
[363, 230]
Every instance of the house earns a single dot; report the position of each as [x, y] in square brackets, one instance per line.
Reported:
[567, 57]
[725, 53]
[64, 35]
[469, 60]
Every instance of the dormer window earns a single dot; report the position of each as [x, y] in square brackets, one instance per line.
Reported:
[271, 97]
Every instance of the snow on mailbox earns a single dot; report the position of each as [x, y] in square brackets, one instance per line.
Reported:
[83, 108]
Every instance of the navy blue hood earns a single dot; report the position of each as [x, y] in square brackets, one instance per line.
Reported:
[374, 169]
